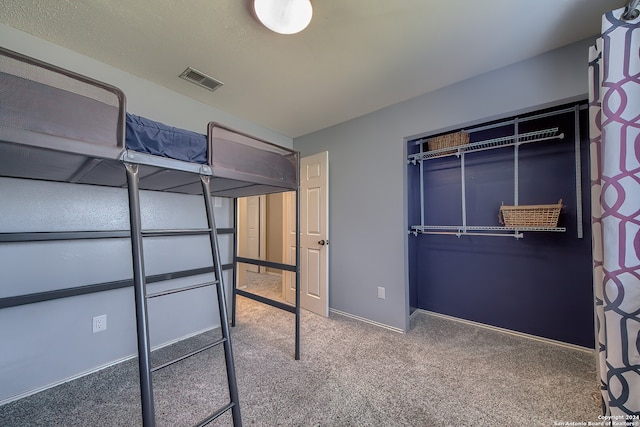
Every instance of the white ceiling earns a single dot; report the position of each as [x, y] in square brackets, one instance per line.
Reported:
[355, 57]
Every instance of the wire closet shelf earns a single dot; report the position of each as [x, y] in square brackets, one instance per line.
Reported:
[458, 151]
[505, 141]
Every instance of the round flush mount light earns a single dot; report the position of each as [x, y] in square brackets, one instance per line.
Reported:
[284, 16]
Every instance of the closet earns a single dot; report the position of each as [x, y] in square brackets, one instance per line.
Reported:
[464, 263]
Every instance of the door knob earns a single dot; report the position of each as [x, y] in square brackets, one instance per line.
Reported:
[323, 242]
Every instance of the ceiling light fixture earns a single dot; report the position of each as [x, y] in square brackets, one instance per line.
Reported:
[284, 16]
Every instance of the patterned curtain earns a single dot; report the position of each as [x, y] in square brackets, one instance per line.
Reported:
[614, 107]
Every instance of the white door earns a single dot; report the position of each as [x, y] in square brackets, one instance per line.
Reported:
[314, 235]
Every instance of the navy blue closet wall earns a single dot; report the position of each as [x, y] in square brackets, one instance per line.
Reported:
[539, 285]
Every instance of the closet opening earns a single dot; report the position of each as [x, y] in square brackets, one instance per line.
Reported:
[532, 276]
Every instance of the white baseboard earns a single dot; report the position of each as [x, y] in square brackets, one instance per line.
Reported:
[362, 319]
[99, 368]
[504, 331]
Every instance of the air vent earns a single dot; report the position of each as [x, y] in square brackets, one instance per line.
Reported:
[200, 79]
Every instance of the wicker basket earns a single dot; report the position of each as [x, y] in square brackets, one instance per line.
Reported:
[448, 140]
[530, 216]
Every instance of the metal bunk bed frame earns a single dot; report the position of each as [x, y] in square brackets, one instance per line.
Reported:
[108, 165]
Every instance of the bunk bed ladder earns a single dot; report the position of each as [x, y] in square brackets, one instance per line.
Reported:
[141, 297]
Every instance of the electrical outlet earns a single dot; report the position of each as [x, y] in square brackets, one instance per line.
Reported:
[381, 292]
[100, 323]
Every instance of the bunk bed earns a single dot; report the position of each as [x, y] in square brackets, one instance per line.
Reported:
[56, 125]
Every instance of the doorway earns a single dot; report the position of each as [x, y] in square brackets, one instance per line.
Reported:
[251, 236]
[267, 231]
[516, 277]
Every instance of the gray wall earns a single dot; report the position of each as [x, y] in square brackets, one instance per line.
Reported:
[367, 161]
[47, 343]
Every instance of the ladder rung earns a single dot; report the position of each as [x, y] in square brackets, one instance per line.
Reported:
[215, 414]
[183, 289]
[186, 356]
[176, 232]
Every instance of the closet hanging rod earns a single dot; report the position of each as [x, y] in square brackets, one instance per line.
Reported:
[460, 229]
[467, 233]
[631, 10]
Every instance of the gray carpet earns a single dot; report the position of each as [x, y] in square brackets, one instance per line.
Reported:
[441, 373]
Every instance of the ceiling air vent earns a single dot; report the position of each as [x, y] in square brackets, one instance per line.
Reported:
[200, 79]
